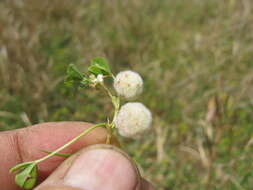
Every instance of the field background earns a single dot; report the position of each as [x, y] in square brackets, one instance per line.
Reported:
[196, 57]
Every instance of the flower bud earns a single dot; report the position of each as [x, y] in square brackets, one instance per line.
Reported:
[100, 78]
[128, 84]
[133, 119]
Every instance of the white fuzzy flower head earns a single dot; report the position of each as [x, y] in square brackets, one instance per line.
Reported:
[133, 119]
[128, 84]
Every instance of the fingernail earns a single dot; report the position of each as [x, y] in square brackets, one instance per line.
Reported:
[102, 168]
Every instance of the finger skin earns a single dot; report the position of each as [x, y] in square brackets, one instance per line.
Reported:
[26, 144]
[145, 186]
[53, 187]
[116, 158]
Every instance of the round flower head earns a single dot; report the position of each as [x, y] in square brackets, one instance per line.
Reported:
[128, 84]
[133, 119]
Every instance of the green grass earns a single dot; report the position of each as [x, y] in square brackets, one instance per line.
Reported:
[196, 59]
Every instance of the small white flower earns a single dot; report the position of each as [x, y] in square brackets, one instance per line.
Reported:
[128, 84]
[133, 119]
[100, 78]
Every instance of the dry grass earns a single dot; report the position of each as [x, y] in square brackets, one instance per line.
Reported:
[196, 59]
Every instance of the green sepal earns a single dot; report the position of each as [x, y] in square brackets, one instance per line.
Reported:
[27, 176]
[99, 66]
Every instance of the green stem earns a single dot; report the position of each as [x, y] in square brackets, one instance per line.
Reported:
[116, 106]
[114, 117]
[107, 90]
[58, 154]
[70, 142]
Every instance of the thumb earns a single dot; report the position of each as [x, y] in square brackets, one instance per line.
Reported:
[94, 168]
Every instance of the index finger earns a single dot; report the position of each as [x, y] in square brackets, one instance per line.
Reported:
[26, 144]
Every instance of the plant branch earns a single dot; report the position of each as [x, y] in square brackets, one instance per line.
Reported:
[116, 103]
[71, 142]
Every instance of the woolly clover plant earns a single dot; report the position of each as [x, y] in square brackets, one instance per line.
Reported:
[131, 119]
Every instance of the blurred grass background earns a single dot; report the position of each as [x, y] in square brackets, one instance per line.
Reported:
[194, 55]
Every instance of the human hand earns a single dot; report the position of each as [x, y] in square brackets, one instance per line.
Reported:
[96, 167]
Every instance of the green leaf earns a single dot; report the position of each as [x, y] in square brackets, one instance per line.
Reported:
[20, 166]
[74, 77]
[99, 66]
[27, 177]
[73, 73]
[95, 70]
